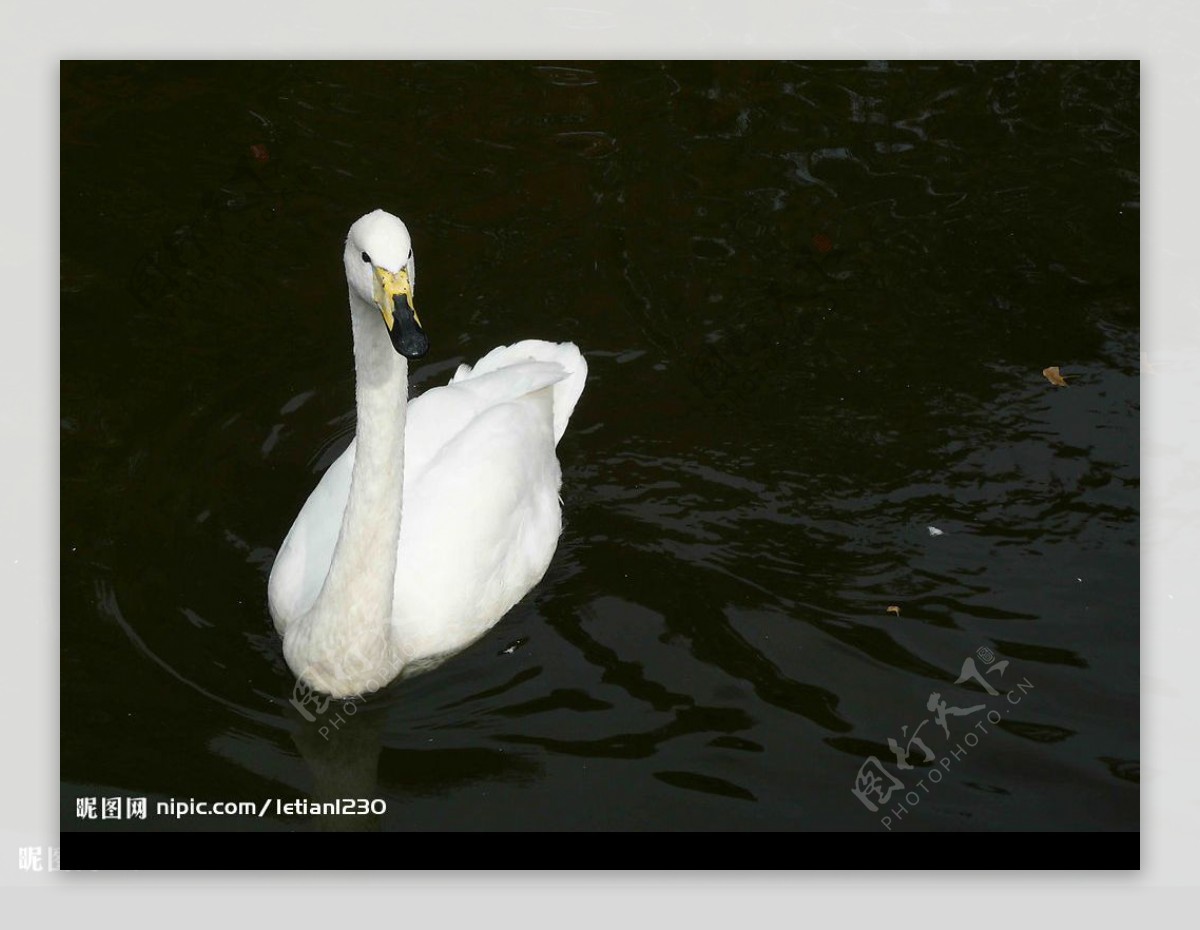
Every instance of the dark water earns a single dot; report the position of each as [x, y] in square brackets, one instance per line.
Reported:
[816, 302]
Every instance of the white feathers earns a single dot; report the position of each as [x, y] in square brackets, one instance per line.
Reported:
[467, 473]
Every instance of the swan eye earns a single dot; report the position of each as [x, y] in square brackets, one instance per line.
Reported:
[366, 258]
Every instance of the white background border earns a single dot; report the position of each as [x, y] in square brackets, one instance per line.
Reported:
[1162, 33]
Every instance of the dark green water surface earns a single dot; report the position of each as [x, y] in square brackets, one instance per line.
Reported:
[816, 301]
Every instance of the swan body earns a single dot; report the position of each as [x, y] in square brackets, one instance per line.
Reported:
[442, 513]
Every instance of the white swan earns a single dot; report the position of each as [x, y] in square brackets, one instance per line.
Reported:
[359, 594]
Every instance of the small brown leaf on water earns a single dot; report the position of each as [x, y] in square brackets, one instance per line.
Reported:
[893, 609]
[1053, 376]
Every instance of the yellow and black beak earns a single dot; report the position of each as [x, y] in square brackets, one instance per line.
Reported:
[408, 338]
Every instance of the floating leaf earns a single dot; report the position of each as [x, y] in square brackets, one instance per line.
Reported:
[893, 609]
[934, 531]
[1053, 376]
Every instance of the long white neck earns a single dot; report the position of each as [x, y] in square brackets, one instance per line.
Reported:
[345, 639]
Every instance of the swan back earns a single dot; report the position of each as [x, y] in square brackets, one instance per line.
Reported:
[519, 374]
[564, 354]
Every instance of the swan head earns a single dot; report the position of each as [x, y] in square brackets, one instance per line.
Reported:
[380, 269]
